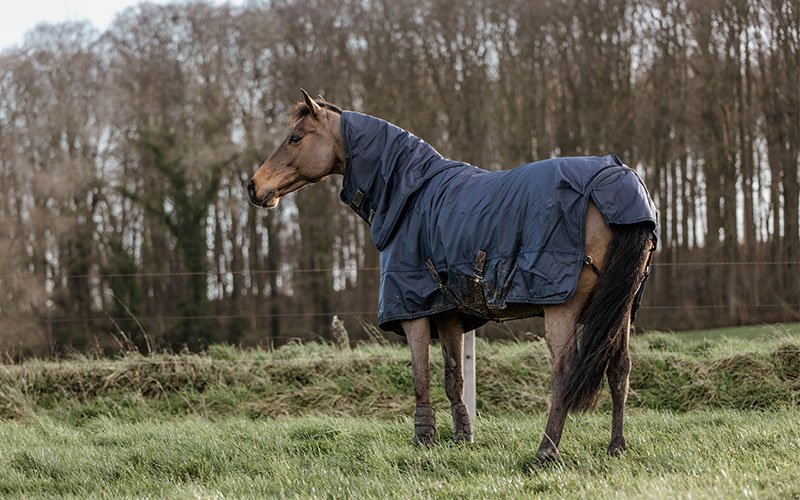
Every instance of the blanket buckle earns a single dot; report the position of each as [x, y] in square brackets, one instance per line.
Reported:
[590, 262]
[358, 198]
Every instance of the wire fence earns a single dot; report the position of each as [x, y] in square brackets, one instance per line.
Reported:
[167, 274]
[102, 319]
[732, 263]
[107, 318]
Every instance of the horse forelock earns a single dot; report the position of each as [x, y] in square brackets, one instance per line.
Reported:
[300, 110]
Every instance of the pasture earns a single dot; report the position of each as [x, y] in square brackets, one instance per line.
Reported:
[711, 416]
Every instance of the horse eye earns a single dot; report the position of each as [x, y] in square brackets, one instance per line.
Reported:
[294, 139]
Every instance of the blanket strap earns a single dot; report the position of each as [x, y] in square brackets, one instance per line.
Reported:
[480, 262]
[640, 292]
[588, 260]
[433, 272]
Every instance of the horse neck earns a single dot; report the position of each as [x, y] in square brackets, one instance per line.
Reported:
[334, 123]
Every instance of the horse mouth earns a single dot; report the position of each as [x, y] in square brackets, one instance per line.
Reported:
[268, 201]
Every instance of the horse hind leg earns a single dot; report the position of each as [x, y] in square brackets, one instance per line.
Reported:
[418, 334]
[618, 372]
[560, 323]
[451, 335]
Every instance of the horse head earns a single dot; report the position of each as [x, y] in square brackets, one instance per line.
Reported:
[312, 151]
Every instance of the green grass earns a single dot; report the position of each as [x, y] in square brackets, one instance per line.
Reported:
[753, 332]
[711, 415]
[701, 454]
[670, 372]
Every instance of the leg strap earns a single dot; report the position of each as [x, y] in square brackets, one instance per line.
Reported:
[424, 424]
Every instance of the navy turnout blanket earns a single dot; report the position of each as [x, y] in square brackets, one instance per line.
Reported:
[454, 236]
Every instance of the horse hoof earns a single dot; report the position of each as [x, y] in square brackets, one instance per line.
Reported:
[617, 447]
[424, 440]
[424, 426]
[547, 455]
[463, 439]
[462, 424]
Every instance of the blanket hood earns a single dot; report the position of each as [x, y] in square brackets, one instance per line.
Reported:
[384, 166]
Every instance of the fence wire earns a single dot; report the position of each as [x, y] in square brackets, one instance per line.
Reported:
[167, 274]
[101, 319]
[96, 319]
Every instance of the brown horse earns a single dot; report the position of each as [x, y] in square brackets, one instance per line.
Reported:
[602, 300]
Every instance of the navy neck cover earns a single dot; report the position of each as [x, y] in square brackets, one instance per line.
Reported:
[384, 166]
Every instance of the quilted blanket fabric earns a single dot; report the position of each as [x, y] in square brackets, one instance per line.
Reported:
[454, 236]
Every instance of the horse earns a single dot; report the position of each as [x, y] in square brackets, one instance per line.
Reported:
[570, 239]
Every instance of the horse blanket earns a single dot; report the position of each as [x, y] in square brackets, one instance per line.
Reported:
[454, 236]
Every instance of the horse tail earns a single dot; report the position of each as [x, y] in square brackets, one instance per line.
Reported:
[605, 313]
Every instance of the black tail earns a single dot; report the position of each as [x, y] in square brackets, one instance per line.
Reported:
[605, 313]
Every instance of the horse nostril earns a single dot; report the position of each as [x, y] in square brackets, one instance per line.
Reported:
[251, 189]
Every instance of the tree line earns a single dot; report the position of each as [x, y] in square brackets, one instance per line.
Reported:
[124, 154]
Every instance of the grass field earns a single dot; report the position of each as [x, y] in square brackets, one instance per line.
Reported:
[701, 454]
[713, 414]
[755, 332]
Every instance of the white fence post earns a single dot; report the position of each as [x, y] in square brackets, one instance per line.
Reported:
[470, 398]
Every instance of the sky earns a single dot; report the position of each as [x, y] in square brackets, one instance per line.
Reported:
[18, 16]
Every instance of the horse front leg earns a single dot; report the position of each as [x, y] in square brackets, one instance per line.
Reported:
[560, 335]
[418, 334]
[451, 335]
[618, 371]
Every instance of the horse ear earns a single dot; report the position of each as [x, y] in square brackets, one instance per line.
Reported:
[312, 104]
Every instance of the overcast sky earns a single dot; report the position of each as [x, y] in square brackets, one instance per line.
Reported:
[18, 16]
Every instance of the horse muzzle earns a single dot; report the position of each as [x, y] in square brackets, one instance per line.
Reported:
[269, 200]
